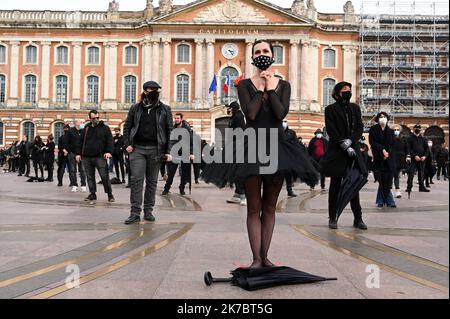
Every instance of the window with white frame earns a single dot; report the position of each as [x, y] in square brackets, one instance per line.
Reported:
[30, 88]
[62, 55]
[182, 88]
[2, 54]
[28, 129]
[93, 55]
[130, 89]
[2, 88]
[329, 58]
[58, 131]
[327, 89]
[183, 53]
[92, 89]
[31, 54]
[130, 55]
[278, 54]
[61, 89]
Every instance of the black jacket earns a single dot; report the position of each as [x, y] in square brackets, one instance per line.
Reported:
[49, 152]
[336, 160]
[185, 126]
[165, 126]
[417, 146]
[73, 137]
[95, 141]
[62, 143]
[25, 149]
[118, 145]
[401, 150]
[37, 154]
[441, 156]
[382, 140]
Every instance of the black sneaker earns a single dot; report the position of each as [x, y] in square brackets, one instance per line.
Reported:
[291, 194]
[149, 217]
[165, 192]
[91, 197]
[59, 185]
[182, 192]
[332, 224]
[425, 190]
[111, 198]
[358, 223]
[132, 219]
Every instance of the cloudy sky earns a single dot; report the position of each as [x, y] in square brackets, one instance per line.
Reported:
[326, 6]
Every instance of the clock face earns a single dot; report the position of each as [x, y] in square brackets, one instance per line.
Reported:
[230, 51]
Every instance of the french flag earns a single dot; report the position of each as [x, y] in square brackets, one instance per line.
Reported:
[226, 86]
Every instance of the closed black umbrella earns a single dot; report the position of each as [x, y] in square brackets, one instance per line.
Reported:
[351, 184]
[259, 278]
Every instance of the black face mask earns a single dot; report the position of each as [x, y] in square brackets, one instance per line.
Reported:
[152, 97]
[346, 96]
[417, 131]
[263, 62]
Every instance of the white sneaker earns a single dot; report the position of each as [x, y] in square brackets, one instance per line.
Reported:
[234, 200]
[74, 189]
[83, 189]
[243, 202]
[398, 194]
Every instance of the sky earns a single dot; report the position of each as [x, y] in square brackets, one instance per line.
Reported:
[325, 6]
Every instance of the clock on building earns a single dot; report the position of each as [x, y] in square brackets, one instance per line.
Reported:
[230, 51]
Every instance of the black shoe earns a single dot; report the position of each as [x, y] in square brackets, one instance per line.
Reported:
[196, 181]
[128, 186]
[111, 198]
[149, 217]
[291, 194]
[358, 223]
[91, 197]
[427, 186]
[392, 206]
[133, 219]
[123, 181]
[380, 205]
[165, 192]
[19, 175]
[59, 184]
[332, 224]
[431, 182]
[182, 192]
[424, 190]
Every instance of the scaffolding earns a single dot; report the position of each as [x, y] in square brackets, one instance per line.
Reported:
[404, 62]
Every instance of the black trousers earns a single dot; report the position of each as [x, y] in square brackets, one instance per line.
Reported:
[49, 167]
[24, 163]
[419, 167]
[335, 185]
[196, 167]
[172, 169]
[443, 169]
[38, 165]
[63, 162]
[99, 163]
[162, 169]
[289, 183]
[119, 163]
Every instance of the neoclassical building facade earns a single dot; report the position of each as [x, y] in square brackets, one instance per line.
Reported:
[55, 66]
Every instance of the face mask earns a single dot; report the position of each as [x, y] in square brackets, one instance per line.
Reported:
[361, 141]
[117, 134]
[417, 131]
[81, 126]
[319, 135]
[397, 133]
[346, 96]
[284, 125]
[382, 121]
[263, 62]
[430, 144]
[151, 97]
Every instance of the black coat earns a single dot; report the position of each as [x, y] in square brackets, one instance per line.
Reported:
[441, 156]
[37, 153]
[237, 120]
[73, 137]
[119, 145]
[95, 141]
[401, 150]
[335, 161]
[49, 153]
[382, 140]
[417, 146]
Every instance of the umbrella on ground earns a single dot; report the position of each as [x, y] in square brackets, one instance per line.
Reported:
[351, 184]
[258, 278]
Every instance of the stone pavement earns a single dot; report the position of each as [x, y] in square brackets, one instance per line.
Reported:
[47, 233]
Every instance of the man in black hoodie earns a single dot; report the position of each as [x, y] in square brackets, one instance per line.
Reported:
[418, 154]
[94, 149]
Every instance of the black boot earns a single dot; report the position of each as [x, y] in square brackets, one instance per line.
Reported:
[133, 219]
[332, 223]
[358, 223]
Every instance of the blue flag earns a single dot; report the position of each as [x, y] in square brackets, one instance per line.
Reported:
[213, 86]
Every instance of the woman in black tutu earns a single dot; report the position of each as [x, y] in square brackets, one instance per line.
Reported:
[265, 102]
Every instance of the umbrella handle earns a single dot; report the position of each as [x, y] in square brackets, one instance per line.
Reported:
[209, 279]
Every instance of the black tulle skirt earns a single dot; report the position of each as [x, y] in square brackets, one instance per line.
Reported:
[292, 160]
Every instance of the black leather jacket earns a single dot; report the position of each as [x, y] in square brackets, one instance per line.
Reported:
[165, 126]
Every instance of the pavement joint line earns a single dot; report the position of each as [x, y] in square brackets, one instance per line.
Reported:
[120, 264]
[301, 229]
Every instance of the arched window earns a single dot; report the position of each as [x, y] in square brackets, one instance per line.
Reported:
[2, 88]
[2, 54]
[130, 89]
[278, 54]
[61, 89]
[436, 134]
[58, 131]
[92, 89]
[1, 134]
[30, 88]
[182, 88]
[183, 53]
[62, 55]
[329, 58]
[130, 55]
[229, 75]
[31, 54]
[93, 55]
[327, 89]
[28, 130]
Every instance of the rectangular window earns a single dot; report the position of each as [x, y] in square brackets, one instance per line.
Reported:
[278, 54]
[2, 54]
[31, 54]
[62, 55]
[93, 55]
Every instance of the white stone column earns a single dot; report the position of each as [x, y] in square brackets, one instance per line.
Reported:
[147, 48]
[350, 65]
[45, 75]
[315, 104]
[166, 74]
[309, 76]
[248, 58]
[110, 76]
[155, 59]
[293, 74]
[198, 101]
[13, 98]
[210, 69]
[75, 102]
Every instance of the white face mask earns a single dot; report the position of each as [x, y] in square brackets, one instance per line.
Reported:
[284, 125]
[382, 121]
[430, 144]
[397, 133]
[319, 135]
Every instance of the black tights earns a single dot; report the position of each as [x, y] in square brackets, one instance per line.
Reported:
[261, 214]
